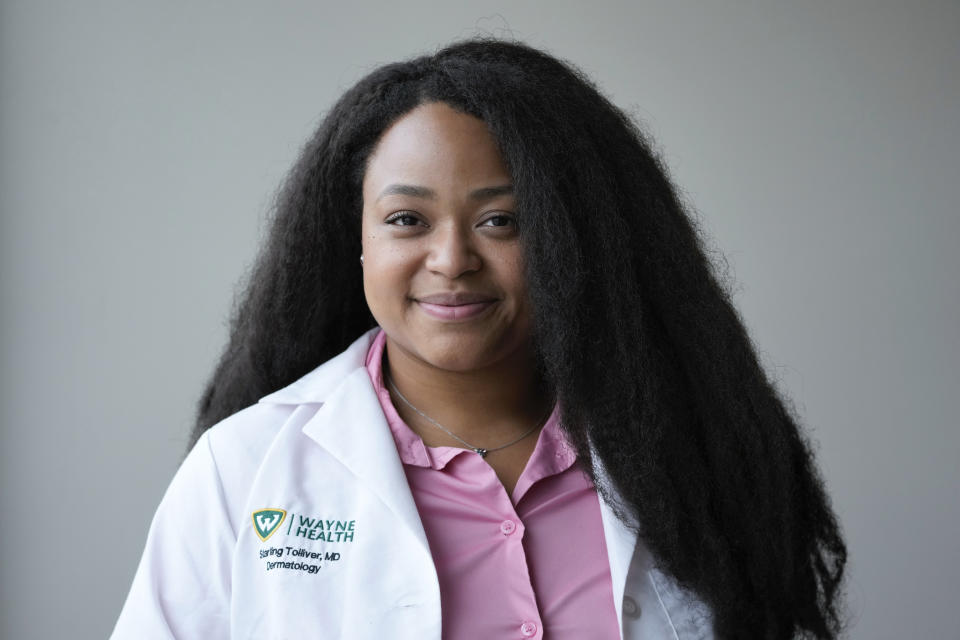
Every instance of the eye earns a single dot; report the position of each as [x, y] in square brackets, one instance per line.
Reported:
[499, 220]
[402, 219]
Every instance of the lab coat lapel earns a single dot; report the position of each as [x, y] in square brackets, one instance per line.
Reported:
[621, 540]
[351, 426]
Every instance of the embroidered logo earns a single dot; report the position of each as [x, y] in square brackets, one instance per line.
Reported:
[267, 521]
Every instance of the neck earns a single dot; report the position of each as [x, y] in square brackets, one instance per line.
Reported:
[486, 406]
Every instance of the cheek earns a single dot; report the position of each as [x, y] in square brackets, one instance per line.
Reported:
[387, 274]
[512, 272]
[384, 260]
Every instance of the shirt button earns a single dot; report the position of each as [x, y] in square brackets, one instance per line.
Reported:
[508, 527]
[528, 629]
[630, 607]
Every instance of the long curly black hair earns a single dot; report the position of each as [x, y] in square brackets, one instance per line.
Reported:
[634, 329]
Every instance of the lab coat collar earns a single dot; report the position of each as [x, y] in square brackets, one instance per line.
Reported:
[317, 385]
[351, 426]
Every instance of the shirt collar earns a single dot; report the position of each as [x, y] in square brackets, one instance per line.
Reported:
[551, 455]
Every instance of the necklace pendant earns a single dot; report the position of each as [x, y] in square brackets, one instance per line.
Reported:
[481, 452]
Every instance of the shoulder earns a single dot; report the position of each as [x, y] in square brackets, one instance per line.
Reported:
[244, 437]
[237, 447]
[238, 444]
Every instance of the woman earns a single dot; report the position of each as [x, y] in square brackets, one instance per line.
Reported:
[483, 367]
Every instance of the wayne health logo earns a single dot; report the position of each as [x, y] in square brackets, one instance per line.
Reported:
[267, 521]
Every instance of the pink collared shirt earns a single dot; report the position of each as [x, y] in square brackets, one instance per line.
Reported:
[531, 565]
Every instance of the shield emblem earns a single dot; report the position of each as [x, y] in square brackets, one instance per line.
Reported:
[266, 521]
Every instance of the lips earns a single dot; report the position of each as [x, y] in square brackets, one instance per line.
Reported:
[455, 299]
[455, 306]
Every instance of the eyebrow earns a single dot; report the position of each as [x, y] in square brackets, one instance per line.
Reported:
[484, 193]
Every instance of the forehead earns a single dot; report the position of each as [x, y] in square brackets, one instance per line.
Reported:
[437, 147]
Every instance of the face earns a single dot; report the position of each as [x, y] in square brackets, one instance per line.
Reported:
[443, 265]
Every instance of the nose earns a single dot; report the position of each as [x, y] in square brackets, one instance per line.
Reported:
[452, 253]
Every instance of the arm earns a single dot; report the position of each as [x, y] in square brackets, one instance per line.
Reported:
[182, 586]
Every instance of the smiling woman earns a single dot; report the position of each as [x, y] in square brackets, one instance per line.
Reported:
[448, 286]
[483, 383]
[443, 271]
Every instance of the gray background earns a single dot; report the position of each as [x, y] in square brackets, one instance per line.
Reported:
[141, 147]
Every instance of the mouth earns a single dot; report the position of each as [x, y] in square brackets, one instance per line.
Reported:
[455, 306]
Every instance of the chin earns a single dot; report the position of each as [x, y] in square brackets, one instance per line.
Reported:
[458, 360]
[458, 349]
[460, 353]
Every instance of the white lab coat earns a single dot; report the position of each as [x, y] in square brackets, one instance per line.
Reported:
[320, 450]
